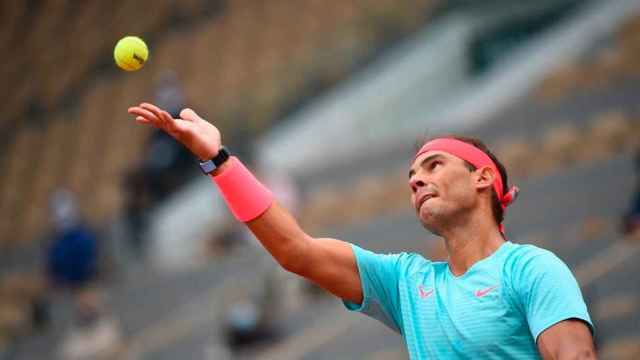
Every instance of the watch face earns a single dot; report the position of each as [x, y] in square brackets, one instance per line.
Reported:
[207, 166]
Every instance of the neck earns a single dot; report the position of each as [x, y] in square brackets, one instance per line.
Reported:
[471, 241]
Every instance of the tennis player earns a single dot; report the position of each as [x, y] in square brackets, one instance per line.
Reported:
[492, 299]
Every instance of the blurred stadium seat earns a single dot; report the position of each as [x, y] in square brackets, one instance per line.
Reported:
[614, 60]
[516, 155]
[256, 67]
[624, 348]
[247, 63]
[560, 146]
[609, 133]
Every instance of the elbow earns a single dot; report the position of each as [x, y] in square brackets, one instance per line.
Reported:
[294, 259]
[290, 264]
[293, 265]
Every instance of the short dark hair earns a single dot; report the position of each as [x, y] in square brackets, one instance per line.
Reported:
[496, 206]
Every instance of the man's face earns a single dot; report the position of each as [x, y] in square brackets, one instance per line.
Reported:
[442, 189]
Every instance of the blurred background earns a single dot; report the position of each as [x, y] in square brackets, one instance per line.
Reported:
[114, 246]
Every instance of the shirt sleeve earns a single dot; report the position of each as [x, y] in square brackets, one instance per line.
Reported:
[549, 293]
[380, 293]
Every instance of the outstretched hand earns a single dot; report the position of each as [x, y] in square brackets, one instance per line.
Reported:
[198, 135]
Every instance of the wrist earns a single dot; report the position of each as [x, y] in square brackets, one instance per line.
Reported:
[246, 197]
[210, 166]
[210, 154]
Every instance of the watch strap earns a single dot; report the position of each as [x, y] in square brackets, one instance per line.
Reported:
[208, 166]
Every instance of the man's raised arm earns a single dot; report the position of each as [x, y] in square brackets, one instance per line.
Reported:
[330, 263]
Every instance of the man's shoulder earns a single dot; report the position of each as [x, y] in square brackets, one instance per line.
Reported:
[523, 256]
[526, 251]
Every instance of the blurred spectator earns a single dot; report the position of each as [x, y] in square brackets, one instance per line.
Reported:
[72, 264]
[169, 94]
[631, 220]
[165, 167]
[72, 257]
[167, 164]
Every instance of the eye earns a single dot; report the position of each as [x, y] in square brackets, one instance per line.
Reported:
[434, 164]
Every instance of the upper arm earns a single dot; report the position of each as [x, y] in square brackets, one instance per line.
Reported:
[366, 281]
[331, 264]
[548, 292]
[567, 339]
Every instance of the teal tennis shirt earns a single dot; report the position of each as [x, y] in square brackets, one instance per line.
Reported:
[495, 310]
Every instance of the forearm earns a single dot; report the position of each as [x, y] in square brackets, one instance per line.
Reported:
[282, 237]
[274, 227]
[329, 263]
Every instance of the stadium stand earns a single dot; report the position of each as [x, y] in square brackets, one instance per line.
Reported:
[542, 219]
[258, 70]
[72, 103]
[255, 70]
[614, 60]
[562, 145]
[563, 142]
[86, 29]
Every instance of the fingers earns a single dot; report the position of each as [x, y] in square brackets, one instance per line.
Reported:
[167, 122]
[140, 112]
[164, 119]
[150, 107]
[150, 114]
[143, 120]
[189, 115]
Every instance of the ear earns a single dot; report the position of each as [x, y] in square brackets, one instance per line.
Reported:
[484, 177]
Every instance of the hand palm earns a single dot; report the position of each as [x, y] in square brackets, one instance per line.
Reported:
[202, 138]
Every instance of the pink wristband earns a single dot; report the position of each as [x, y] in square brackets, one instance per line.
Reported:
[246, 197]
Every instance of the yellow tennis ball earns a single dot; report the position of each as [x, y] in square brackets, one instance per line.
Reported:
[130, 53]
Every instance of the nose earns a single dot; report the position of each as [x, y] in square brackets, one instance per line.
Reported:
[415, 183]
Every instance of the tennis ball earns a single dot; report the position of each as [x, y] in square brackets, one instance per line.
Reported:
[130, 53]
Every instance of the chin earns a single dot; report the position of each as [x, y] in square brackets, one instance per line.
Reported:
[433, 217]
[427, 222]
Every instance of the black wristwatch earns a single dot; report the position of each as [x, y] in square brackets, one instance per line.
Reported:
[208, 166]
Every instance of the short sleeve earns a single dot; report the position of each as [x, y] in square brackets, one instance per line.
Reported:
[549, 293]
[379, 275]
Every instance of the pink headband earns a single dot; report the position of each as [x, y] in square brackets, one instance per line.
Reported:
[474, 156]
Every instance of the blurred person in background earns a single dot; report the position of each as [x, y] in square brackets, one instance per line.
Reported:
[165, 166]
[73, 265]
[491, 299]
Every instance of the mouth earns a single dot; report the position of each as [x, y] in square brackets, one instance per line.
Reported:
[422, 199]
